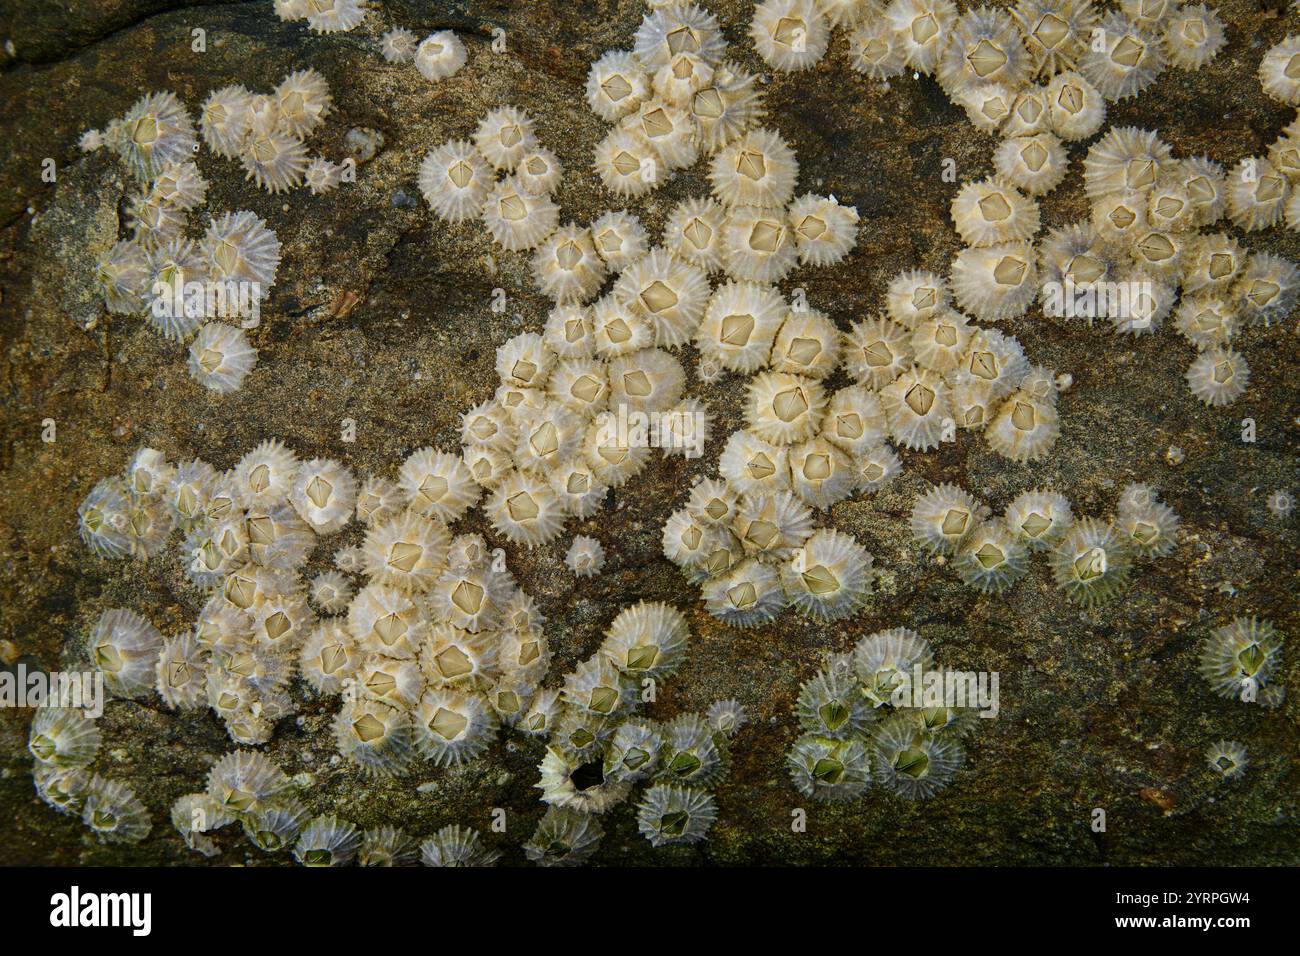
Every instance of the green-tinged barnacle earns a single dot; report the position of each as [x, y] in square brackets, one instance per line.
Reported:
[276, 828]
[752, 465]
[245, 781]
[830, 771]
[912, 763]
[525, 510]
[114, 813]
[885, 661]
[996, 282]
[598, 686]
[1218, 376]
[1092, 563]
[740, 325]
[1239, 659]
[455, 181]
[984, 47]
[194, 816]
[440, 55]
[1228, 759]
[374, 736]
[582, 734]
[125, 648]
[327, 841]
[154, 133]
[453, 726]
[831, 705]
[62, 738]
[387, 846]
[181, 675]
[756, 169]
[789, 35]
[632, 753]
[580, 784]
[62, 788]
[992, 558]
[455, 845]
[329, 657]
[564, 837]
[1150, 525]
[690, 754]
[102, 519]
[1129, 59]
[829, 578]
[669, 814]
[747, 595]
[543, 714]
[220, 357]
[727, 716]
[943, 518]
[942, 721]
[1039, 518]
[647, 639]
[759, 244]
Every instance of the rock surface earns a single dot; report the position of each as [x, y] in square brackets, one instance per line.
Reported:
[381, 314]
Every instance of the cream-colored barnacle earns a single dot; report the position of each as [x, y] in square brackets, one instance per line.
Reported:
[1126, 62]
[985, 47]
[759, 244]
[824, 231]
[740, 324]
[995, 282]
[669, 293]
[1218, 376]
[1257, 194]
[992, 211]
[567, 267]
[1075, 109]
[516, 218]
[616, 85]
[783, 408]
[1279, 71]
[525, 510]
[808, 344]
[454, 180]
[1092, 563]
[437, 484]
[876, 351]
[406, 552]
[439, 56]
[943, 518]
[789, 35]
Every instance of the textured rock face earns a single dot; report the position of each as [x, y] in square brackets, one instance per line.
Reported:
[382, 314]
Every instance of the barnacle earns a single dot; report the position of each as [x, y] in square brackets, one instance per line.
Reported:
[989, 212]
[917, 406]
[1024, 428]
[244, 782]
[1056, 32]
[756, 169]
[455, 845]
[632, 753]
[627, 163]
[740, 325]
[746, 595]
[125, 648]
[1257, 194]
[943, 519]
[984, 47]
[820, 472]
[727, 109]
[694, 232]
[398, 45]
[759, 244]
[437, 484]
[1268, 289]
[1092, 562]
[831, 705]
[441, 55]
[585, 557]
[831, 771]
[1279, 71]
[1039, 518]
[995, 282]
[669, 814]
[374, 736]
[647, 639]
[668, 292]
[1193, 36]
[923, 27]
[327, 841]
[564, 837]
[114, 813]
[876, 50]
[1150, 525]
[1128, 61]
[1218, 376]
[670, 133]
[620, 239]
[155, 132]
[1240, 658]
[992, 558]
[1228, 759]
[1035, 163]
[1075, 109]
[62, 738]
[180, 672]
[455, 181]
[912, 763]
[789, 35]
[824, 231]
[616, 85]
[571, 782]
[916, 296]
[516, 218]
[650, 380]
[240, 248]
[690, 754]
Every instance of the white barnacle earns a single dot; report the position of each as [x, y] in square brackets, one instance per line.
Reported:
[439, 56]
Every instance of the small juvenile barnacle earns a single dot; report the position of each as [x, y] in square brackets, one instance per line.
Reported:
[789, 35]
[327, 840]
[616, 85]
[441, 55]
[726, 109]
[585, 557]
[1241, 658]
[759, 244]
[727, 716]
[995, 282]
[669, 815]
[517, 219]
[739, 325]
[1279, 71]
[877, 351]
[455, 845]
[990, 211]
[1256, 194]
[455, 181]
[915, 296]
[1056, 32]
[1268, 289]
[992, 558]
[670, 293]
[398, 45]
[125, 648]
[912, 763]
[376, 737]
[830, 771]
[1228, 759]
[1035, 163]
[627, 163]
[564, 837]
[1075, 109]
[747, 595]
[62, 737]
[1280, 504]
[1129, 59]
[830, 705]
[1039, 518]
[155, 132]
[1218, 376]
[1092, 562]
[650, 380]
[567, 267]
[918, 407]
[1150, 525]
[984, 47]
[114, 813]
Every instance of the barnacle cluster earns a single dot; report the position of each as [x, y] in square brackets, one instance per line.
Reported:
[864, 719]
[267, 132]
[322, 16]
[437, 56]
[1091, 558]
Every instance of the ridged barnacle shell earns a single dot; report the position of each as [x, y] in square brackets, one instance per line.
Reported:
[650, 380]
[633, 752]
[728, 108]
[125, 648]
[1218, 376]
[939, 344]
[923, 27]
[1126, 159]
[616, 85]
[740, 324]
[647, 639]
[438, 484]
[807, 344]
[830, 771]
[789, 35]
[570, 782]
[854, 420]
[1268, 289]
[172, 264]
[581, 387]
[194, 816]
[324, 493]
[984, 47]
[759, 244]
[756, 169]
[1075, 109]
[877, 466]
[831, 705]
[224, 120]
[327, 841]
[303, 98]
[380, 499]
[155, 132]
[63, 789]
[1240, 658]
[543, 714]
[727, 716]
[1193, 36]
[103, 516]
[992, 558]
[918, 407]
[329, 657]
[713, 502]
[539, 171]
[385, 680]
[240, 248]
[694, 232]
[122, 276]
[564, 837]
[440, 55]
[1039, 518]
[619, 327]
[1279, 71]
[275, 160]
[580, 491]
[829, 578]
[585, 557]
[752, 465]
[824, 231]
[772, 525]
[374, 736]
[1257, 194]
[1228, 759]
[386, 621]
[244, 782]
[1150, 525]
[398, 45]
[547, 437]
[916, 295]
[987, 105]
[1207, 320]
[452, 725]
[1130, 59]
[1024, 428]
[264, 476]
[912, 763]
[620, 239]
[453, 657]
[1036, 163]
[996, 282]
[275, 828]
[1030, 114]
[820, 472]
[627, 163]
[678, 28]
[181, 186]
[678, 80]
[455, 181]
[691, 755]
[504, 135]
[62, 737]
[455, 845]
[943, 518]
[670, 815]
[1056, 32]
[990, 211]
[567, 267]
[181, 672]
[472, 599]
[670, 133]
[669, 292]
[1092, 562]
[114, 813]
[783, 408]
[746, 595]
[612, 457]
[281, 622]
[876, 49]
[517, 219]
